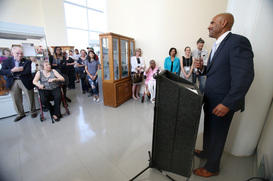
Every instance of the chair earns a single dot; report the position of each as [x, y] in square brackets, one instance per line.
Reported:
[51, 98]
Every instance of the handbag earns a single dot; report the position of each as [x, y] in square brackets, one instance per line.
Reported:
[136, 77]
[83, 75]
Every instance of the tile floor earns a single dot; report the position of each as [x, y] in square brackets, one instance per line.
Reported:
[93, 143]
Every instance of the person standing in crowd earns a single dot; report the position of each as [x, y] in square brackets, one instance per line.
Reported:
[172, 63]
[76, 57]
[200, 54]
[150, 81]
[92, 49]
[81, 70]
[92, 65]
[33, 66]
[230, 72]
[137, 66]
[58, 62]
[49, 86]
[19, 78]
[91, 93]
[5, 55]
[187, 65]
[70, 70]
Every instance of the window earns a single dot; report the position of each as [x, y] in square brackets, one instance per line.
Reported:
[85, 20]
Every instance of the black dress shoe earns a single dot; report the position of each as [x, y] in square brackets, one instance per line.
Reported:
[18, 118]
[56, 120]
[34, 115]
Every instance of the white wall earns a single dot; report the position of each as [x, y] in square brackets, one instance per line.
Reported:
[265, 146]
[158, 25]
[48, 14]
[255, 21]
[22, 12]
[54, 22]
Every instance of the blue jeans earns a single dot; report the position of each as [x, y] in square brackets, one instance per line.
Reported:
[94, 85]
[76, 70]
[201, 80]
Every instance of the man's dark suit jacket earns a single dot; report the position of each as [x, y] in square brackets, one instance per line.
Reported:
[229, 73]
[25, 75]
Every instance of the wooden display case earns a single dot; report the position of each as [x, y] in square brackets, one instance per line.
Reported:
[64, 48]
[116, 51]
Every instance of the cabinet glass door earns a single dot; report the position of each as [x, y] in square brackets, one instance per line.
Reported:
[105, 55]
[131, 48]
[116, 58]
[124, 58]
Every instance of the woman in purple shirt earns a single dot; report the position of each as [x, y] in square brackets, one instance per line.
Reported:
[92, 65]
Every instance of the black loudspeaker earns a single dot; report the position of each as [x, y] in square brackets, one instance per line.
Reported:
[176, 119]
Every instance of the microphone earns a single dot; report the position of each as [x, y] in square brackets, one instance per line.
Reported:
[199, 59]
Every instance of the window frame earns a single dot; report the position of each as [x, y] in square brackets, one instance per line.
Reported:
[86, 9]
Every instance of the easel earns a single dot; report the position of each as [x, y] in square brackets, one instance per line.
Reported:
[151, 166]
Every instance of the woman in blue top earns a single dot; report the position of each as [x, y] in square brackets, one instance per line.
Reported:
[81, 70]
[92, 65]
[172, 63]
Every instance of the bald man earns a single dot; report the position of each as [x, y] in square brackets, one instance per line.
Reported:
[18, 71]
[229, 74]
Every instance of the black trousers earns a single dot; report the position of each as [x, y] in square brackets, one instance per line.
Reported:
[85, 86]
[47, 95]
[71, 77]
[214, 139]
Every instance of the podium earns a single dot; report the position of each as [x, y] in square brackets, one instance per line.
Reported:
[176, 120]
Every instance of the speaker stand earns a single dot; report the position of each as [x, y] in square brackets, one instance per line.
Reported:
[152, 166]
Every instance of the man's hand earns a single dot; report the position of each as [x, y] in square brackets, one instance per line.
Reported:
[21, 69]
[220, 110]
[199, 65]
[17, 69]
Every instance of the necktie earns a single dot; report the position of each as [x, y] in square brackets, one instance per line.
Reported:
[212, 53]
[213, 50]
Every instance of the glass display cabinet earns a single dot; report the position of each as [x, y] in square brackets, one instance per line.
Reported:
[116, 51]
[64, 48]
